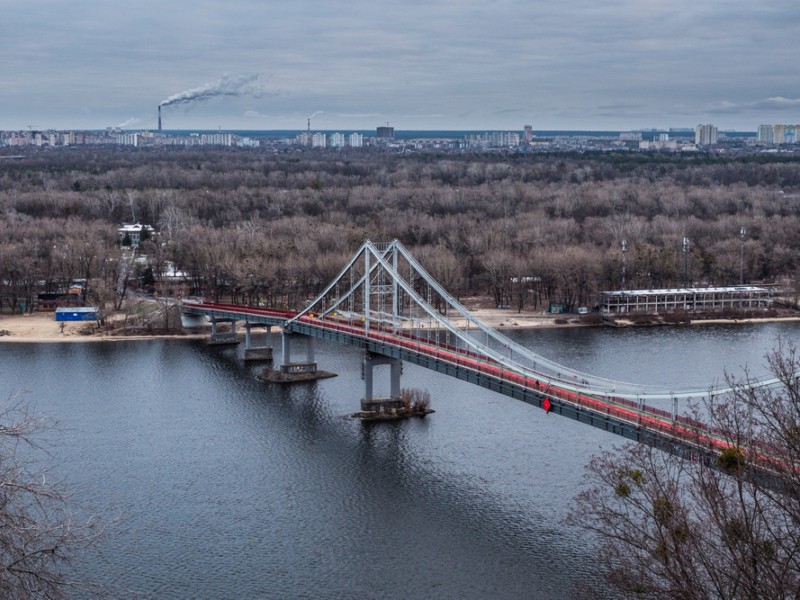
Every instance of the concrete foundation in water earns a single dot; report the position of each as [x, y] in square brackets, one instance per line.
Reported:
[389, 409]
[282, 376]
[223, 339]
[258, 354]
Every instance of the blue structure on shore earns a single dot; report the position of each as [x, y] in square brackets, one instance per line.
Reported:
[78, 313]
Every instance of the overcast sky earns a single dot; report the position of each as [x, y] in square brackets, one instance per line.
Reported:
[416, 64]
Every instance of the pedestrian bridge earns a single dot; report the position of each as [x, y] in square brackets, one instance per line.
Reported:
[385, 303]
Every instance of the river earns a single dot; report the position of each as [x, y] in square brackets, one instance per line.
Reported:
[227, 487]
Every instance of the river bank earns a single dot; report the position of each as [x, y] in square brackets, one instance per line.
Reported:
[42, 327]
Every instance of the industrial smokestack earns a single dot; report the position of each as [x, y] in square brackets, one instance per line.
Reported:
[319, 112]
[159, 117]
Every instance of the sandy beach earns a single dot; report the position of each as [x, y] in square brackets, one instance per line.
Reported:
[42, 327]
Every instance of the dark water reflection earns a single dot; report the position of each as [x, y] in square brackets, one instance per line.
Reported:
[231, 488]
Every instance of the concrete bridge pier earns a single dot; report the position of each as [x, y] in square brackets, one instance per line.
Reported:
[306, 369]
[381, 406]
[295, 371]
[254, 353]
[225, 338]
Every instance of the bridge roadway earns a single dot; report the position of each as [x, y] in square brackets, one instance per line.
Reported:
[616, 415]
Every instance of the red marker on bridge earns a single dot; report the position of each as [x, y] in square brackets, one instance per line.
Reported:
[546, 405]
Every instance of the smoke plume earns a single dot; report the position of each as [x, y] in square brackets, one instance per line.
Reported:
[128, 123]
[226, 86]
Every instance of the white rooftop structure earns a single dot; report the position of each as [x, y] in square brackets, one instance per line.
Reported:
[672, 299]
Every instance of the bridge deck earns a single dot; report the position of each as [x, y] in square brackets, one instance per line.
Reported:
[384, 301]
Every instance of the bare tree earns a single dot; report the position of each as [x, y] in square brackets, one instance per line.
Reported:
[39, 536]
[676, 527]
[499, 265]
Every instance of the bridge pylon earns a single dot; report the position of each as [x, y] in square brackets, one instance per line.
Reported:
[384, 291]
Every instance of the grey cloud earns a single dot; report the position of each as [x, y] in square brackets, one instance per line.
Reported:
[437, 64]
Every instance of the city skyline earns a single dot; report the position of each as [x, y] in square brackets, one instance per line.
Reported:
[442, 64]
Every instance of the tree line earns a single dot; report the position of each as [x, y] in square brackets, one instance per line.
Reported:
[674, 526]
[275, 226]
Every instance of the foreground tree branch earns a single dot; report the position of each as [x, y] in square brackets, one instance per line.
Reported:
[39, 536]
[670, 527]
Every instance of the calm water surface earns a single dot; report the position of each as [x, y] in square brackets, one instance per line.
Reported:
[232, 488]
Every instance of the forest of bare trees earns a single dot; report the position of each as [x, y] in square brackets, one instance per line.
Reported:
[277, 226]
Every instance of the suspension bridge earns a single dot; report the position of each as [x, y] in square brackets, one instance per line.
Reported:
[385, 303]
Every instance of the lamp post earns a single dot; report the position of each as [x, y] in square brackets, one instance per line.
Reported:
[741, 255]
[624, 249]
[685, 261]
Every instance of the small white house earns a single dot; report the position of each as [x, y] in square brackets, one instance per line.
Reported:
[133, 232]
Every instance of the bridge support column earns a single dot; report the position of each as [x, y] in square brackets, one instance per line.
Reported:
[289, 367]
[253, 353]
[228, 337]
[381, 406]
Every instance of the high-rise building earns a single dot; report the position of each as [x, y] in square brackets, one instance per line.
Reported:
[127, 139]
[216, 139]
[356, 140]
[778, 133]
[705, 135]
[630, 136]
[659, 144]
[781, 133]
[492, 139]
[319, 140]
[337, 140]
[528, 137]
[766, 134]
[502, 139]
[385, 132]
